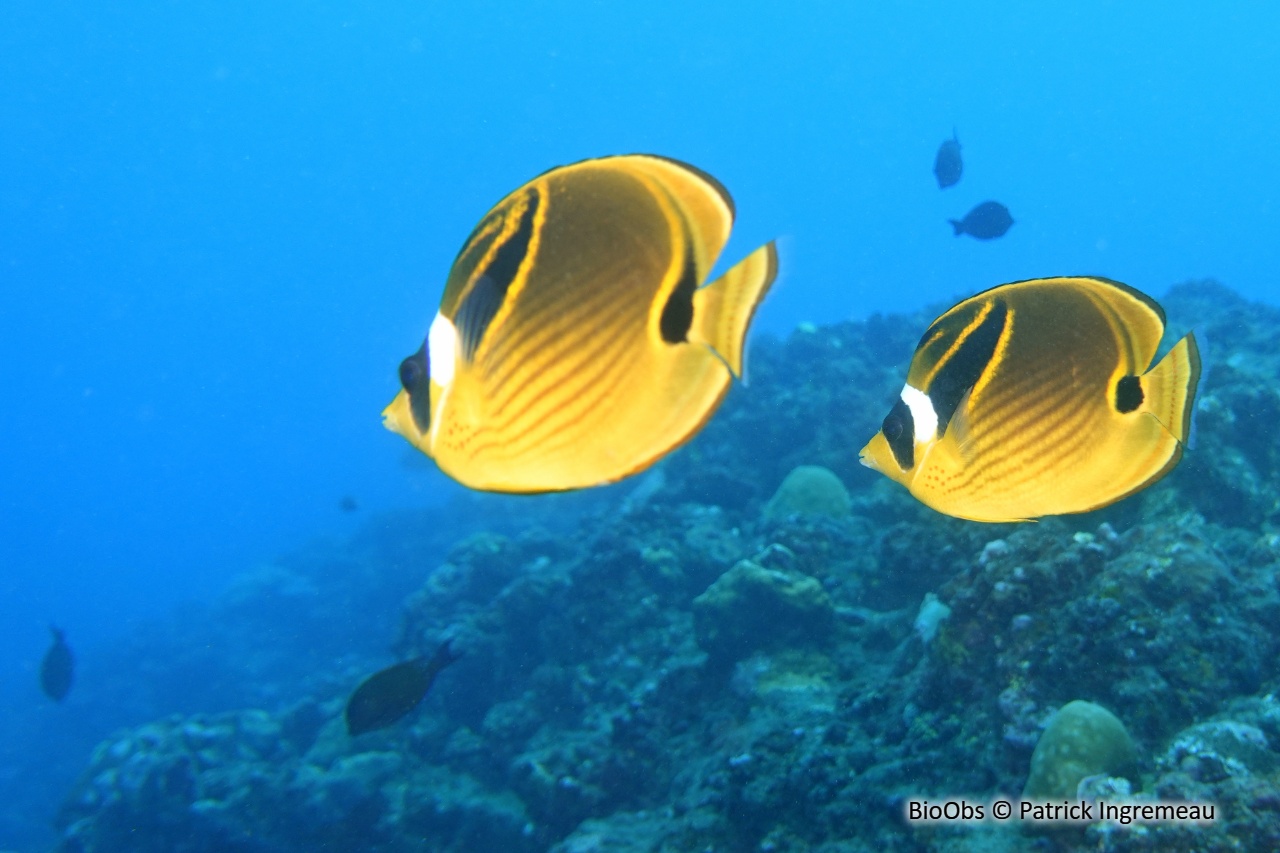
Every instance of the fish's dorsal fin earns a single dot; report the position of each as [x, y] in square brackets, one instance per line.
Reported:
[704, 205]
[1136, 319]
[723, 309]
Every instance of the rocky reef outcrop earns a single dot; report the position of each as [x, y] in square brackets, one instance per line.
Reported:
[689, 665]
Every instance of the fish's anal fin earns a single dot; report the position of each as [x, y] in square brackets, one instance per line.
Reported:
[723, 309]
[1170, 388]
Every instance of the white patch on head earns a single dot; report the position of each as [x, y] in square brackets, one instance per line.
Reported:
[442, 350]
[924, 418]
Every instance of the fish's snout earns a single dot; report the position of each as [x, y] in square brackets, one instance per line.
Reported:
[877, 456]
[867, 458]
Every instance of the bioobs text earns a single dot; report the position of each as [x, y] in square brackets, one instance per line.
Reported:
[923, 810]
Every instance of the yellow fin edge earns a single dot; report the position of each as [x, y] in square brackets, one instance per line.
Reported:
[722, 310]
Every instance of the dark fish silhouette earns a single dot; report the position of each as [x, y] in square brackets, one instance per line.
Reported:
[348, 504]
[390, 694]
[57, 670]
[948, 166]
[987, 221]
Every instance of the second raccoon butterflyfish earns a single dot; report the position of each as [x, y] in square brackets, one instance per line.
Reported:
[1037, 398]
[577, 342]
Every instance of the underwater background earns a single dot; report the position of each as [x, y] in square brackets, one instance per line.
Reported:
[221, 228]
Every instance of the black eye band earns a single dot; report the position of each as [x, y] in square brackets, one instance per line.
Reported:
[899, 430]
[415, 378]
[411, 373]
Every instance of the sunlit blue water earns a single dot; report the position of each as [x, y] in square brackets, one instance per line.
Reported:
[222, 225]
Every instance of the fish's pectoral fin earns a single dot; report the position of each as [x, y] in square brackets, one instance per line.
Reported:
[476, 312]
[959, 429]
[1168, 390]
[723, 309]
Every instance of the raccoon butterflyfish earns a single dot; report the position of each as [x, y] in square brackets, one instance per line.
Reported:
[987, 221]
[948, 165]
[576, 342]
[1038, 398]
[390, 694]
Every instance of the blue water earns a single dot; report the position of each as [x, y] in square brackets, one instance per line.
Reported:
[222, 225]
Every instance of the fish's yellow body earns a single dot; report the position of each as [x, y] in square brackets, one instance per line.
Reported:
[1038, 398]
[577, 342]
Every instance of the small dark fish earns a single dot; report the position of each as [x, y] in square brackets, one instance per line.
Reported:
[390, 694]
[348, 504]
[987, 221]
[948, 166]
[58, 668]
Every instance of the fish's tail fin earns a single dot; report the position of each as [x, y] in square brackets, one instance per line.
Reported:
[958, 225]
[1204, 347]
[723, 309]
[1170, 388]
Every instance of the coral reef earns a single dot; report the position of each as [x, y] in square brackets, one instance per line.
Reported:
[809, 489]
[751, 607]
[1082, 739]
[248, 781]
[683, 665]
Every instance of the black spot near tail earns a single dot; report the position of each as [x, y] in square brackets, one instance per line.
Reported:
[1129, 394]
[677, 314]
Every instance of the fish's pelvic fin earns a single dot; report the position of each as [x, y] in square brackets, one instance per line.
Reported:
[723, 309]
[445, 654]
